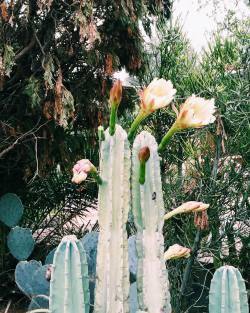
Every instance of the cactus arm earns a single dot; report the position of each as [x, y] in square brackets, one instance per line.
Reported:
[148, 206]
[112, 285]
[227, 292]
[69, 279]
[148, 210]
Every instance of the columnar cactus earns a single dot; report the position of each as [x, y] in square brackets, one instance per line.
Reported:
[228, 292]
[112, 283]
[69, 285]
[148, 211]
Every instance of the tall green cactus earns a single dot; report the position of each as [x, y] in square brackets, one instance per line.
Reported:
[228, 292]
[69, 285]
[112, 283]
[148, 210]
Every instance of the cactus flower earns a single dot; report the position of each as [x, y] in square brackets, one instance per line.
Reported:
[81, 170]
[187, 207]
[158, 94]
[176, 251]
[195, 112]
[114, 100]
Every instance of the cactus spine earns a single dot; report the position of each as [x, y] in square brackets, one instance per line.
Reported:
[112, 283]
[69, 285]
[148, 211]
[228, 292]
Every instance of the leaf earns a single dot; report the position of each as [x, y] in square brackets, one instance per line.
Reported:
[64, 103]
[8, 59]
[49, 69]
[32, 90]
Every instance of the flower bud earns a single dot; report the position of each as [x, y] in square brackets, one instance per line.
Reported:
[187, 207]
[144, 154]
[176, 251]
[81, 170]
[116, 93]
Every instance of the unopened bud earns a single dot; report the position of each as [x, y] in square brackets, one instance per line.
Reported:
[144, 154]
[116, 93]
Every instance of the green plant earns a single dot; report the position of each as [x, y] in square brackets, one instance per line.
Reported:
[19, 240]
[228, 292]
[112, 286]
[148, 211]
[69, 284]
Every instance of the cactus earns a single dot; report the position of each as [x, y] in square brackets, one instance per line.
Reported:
[11, 209]
[148, 210]
[69, 284]
[31, 279]
[40, 303]
[228, 292]
[20, 242]
[112, 287]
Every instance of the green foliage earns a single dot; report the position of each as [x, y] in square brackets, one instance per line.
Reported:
[211, 165]
[8, 59]
[32, 90]
[57, 61]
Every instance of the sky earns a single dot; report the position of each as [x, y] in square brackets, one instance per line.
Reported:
[199, 21]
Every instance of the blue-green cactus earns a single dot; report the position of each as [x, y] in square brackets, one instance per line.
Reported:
[69, 284]
[31, 279]
[112, 285]
[40, 303]
[148, 210]
[11, 209]
[23, 275]
[20, 242]
[228, 292]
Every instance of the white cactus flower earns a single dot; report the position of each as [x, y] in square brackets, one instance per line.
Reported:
[158, 94]
[195, 112]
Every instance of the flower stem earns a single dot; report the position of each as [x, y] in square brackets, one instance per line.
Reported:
[112, 120]
[142, 172]
[165, 140]
[96, 176]
[140, 117]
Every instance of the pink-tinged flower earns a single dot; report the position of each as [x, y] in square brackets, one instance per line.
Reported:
[116, 93]
[195, 112]
[176, 251]
[81, 170]
[158, 94]
[187, 207]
